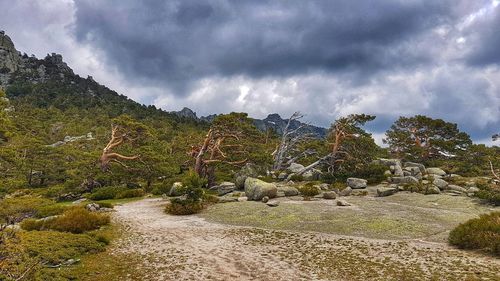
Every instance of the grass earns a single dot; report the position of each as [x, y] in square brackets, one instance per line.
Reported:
[401, 216]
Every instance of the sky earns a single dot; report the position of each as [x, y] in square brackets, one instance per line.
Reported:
[323, 58]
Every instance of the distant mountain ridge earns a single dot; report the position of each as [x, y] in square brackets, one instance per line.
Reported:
[63, 88]
[272, 121]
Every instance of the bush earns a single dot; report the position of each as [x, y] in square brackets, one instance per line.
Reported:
[339, 185]
[182, 207]
[130, 193]
[488, 192]
[194, 195]
[482, 233]
[74, 220]
[373, 173]
[162, 188]
[296, 178]
[309, 190]
[13, 210]
[108, 192]
[50, 210]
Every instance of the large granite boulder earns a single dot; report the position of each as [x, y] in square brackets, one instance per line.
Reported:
[288, 190]
[224, 188]
[386, 191]
[356, 183]
[256, 189]
[441, 184]
[249, 170]
[403, 180]
[421, 167]
[295, 167]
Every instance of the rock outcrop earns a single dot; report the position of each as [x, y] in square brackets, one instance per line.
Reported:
[256, 189]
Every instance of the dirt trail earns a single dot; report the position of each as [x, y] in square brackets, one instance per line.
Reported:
[189, 248]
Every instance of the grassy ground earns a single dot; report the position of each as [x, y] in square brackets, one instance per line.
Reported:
[401, 216]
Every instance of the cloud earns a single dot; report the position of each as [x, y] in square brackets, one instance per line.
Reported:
[324, 58]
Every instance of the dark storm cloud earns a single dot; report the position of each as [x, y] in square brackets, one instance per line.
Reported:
[175, 42]
[485, 37]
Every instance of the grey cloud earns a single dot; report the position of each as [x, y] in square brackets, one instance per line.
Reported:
[485, 36]
[174, 42]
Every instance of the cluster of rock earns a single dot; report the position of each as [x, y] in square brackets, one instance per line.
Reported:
[432, 180]
[68, 139]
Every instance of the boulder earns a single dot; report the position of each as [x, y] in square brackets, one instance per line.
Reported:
[227, 199]
[386, 191]
[324, 186]
[295, 168]
[280, 194]
[249, 170]
[435, 171]
[387, 173]
[312, 175]
[472, 189]
[273, 203]
[282, 176]
[265, 199]
[421, 167]
[441, 184]
[398, 171]
[346, 191]
[176, 189]
[342, 203]
[356, 183]
[433, 190]
[456, 188]
[92, 207]
[288, 190]
[403, 180]
[242, 199]
[224, 188]
[329, 195]
[407, 173]
[256, 189]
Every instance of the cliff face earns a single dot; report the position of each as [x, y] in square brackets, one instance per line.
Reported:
[10, 58]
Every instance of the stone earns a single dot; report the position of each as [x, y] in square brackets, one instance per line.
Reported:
[176, 189]
[403, 180]
[456, 188]
[256, 189]
[225, 188]
[324, 186]
[312, 175]
[265, 199]
[92, 207]
[472, 189]
[273, 203]
[295, 167]
[433, 190]
[356, 183]
[386, 191]
[421, 167]
[288, 190]
[329, 195]
[387, 173]
[407, 173]
[441, 184]
[435, 171]
[346, 191]
[242, 199]
[249, 170]
[227, 199]
[342, 203]
[280, 194]
[282, 176]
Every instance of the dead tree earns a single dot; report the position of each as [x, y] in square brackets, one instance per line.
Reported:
[108, 156]
[493, 171]
[343, 129]
[215, 150]
[286, 151]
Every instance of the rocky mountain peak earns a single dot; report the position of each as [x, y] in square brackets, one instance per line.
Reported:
[186, 113]
[10, 58]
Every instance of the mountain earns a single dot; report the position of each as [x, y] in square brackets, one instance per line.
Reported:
[50, 82]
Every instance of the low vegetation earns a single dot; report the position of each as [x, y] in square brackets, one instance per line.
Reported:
[482, 233]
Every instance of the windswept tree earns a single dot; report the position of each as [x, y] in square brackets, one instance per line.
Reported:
[287, 151]
[423, 138]
[124, 130]
[222, 145]
[346, 141]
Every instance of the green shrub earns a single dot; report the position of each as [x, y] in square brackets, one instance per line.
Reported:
[13, 210]
[108, 192]
[373, 173]
[32, 224]
[162, 188]
[481, 233]
[309, 190]
[489, 192]
[339, 185]
[105, 205]
[182, 207]
[194, 197]
[130, 193]
[77, 220]
[50, 210]
[297, 178]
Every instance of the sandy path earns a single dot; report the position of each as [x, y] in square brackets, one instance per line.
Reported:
[189, 248]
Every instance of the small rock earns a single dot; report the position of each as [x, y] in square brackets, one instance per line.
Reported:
[329, 195]
[433, 190]
[288, 190]
[456, 188]
[280, 194]
[346, 191]
[356, 183]
[242, 199]
[342, 203]
[401, 180]
[472, 189]
[435, 171]
[273, 203]
[265, 199]
[324, 186]
[282, 176]
[386, 191]
[441, 184]
[92, 207]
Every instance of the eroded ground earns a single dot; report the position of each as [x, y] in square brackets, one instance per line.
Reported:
[401, 237]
